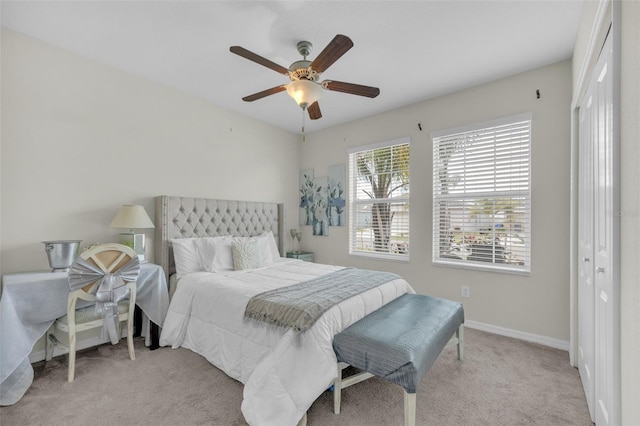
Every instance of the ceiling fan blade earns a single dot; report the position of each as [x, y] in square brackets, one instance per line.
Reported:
[314, 111]
[247, 54]
[264, 93]
[334, 50]
[352, 89]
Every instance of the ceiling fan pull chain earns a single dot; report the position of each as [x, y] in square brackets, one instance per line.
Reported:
[303, 136]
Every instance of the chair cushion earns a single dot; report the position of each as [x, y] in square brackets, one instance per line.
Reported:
[88, 314]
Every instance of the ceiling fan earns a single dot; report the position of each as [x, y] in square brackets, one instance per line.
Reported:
[305, 87]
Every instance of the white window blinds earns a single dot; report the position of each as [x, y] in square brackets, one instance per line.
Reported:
[482, 195]
[379, 200]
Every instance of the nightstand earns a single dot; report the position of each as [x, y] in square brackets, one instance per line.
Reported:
[307, 256]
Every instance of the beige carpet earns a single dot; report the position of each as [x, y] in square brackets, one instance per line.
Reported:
[502, 381]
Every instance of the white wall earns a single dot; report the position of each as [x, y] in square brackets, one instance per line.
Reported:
[536, 304]
[80, 139]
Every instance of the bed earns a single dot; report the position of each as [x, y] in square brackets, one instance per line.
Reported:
[283, 370]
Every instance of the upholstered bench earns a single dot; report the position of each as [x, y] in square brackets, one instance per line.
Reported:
[399, 342]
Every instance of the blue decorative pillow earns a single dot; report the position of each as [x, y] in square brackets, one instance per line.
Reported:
[246, 255]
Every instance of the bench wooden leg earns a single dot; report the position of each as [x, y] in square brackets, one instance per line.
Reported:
[409, 409]
[341, 383]
[337, 391]
[303, 420]
[460, 336]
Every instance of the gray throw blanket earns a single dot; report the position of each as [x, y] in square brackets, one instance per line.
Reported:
[299, 306]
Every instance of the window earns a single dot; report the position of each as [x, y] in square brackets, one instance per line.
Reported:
[379, 200]
[482, 195]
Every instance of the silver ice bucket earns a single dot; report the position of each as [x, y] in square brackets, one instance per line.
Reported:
[61, 253]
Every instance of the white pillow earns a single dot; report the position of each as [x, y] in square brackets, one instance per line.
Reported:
[185, 256]
[268, 248]
[214, 253]
[246, 254]
[204, 251]
[273, 247]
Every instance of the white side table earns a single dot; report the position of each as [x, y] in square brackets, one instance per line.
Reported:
[31, 301]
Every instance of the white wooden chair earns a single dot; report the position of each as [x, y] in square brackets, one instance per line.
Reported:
[108, 258]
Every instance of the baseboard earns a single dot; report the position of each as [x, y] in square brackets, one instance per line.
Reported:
[521, 335]
[507, 332]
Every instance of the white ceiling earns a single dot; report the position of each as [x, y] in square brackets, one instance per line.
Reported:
[411, 50]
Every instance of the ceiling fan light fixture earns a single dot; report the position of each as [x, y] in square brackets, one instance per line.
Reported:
[304, 92]
[305, 87]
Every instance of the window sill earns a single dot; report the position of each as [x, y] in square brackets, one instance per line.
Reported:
[379, 256]
[483, 268]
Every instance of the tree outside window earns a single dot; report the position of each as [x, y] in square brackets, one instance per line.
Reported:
[379, 214]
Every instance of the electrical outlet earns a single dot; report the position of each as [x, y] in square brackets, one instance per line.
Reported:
[465, 291]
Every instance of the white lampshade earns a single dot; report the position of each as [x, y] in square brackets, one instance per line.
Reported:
[132, 217]
[304, 92]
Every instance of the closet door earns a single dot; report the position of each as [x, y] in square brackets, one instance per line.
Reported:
[598, 245]
[606, 243]
[586, 291]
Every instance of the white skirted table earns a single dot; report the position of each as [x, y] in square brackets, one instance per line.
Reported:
[32, 301]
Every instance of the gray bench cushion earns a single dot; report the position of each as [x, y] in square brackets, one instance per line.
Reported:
[400, 341]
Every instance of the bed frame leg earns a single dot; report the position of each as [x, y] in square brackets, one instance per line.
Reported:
[409, 409]
[337, 391]
[460, 336]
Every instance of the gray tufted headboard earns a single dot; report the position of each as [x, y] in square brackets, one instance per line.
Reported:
[184, 217]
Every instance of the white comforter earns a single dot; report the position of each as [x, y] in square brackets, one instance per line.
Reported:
[283, 372]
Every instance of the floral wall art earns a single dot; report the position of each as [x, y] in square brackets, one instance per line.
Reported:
[319, 217]
[336, 195]
[322, 199]
[306, 190]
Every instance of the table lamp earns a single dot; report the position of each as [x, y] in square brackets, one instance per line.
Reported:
[133, 217]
